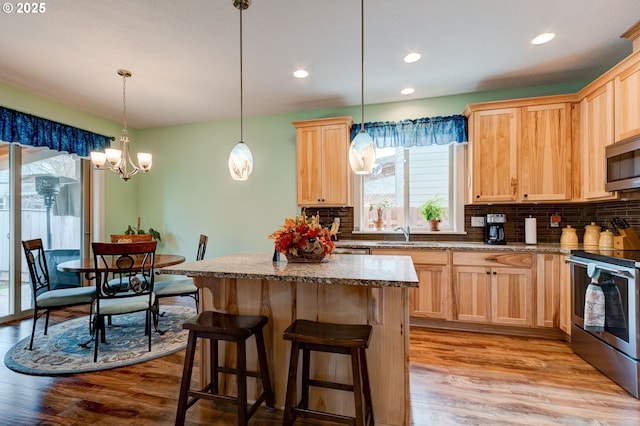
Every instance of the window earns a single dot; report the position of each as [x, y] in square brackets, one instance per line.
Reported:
[403, 179]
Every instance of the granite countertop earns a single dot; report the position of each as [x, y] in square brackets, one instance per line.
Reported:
[370, 271]
[455, 245]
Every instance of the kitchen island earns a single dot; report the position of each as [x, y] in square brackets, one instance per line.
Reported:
[342, 289]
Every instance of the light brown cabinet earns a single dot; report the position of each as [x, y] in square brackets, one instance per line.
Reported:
[548, 290]
[493, 287]
[596, 132]
[521, 150]
[627, 104]
[322, 162]
[432, 299]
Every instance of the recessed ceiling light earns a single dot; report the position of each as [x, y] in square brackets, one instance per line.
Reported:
[300, 73]
[407, 91]
[412, 57]
[543, 38]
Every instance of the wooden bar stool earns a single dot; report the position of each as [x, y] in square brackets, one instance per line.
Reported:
[349, 339]
[217, 326]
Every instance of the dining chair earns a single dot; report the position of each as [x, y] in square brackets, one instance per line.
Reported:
[124, 274]
[183, 287]
[46, 299]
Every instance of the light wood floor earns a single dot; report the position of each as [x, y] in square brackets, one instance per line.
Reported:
[457, 378]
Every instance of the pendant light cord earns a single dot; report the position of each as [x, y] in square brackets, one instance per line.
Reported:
[362, 66]
[124, 103]
[241, 91]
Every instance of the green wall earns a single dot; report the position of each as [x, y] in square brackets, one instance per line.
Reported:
[189, 190]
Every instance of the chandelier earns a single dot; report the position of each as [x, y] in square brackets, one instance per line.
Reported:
[119, 160]
[240, 159]
[362, 152]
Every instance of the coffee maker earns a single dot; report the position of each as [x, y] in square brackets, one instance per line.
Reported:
[494, 228]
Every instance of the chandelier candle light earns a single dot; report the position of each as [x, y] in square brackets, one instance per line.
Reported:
[240, 158]
[362, 152]
[119, 160]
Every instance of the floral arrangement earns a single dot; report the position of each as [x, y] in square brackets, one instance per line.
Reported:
[303, 234]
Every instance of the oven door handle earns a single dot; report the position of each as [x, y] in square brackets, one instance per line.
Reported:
[620, 272]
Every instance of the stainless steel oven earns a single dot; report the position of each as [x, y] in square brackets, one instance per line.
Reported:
[616, 350]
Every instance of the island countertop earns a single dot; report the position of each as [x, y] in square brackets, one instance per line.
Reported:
[342, 269]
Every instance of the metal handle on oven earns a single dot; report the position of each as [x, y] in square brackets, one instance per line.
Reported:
[604, 268]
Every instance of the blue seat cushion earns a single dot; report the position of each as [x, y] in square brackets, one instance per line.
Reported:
[66, 297]
[174, 287]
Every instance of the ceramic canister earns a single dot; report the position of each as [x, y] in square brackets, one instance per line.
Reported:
[591, 235]
[606, 240]
[569, 237]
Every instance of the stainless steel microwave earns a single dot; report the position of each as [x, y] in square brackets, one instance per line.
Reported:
[623, 165]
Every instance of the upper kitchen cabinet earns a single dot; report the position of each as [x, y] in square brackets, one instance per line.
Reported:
[493, 146]
[521, 150]
[322, 160]
[596, 132]
[627, 89]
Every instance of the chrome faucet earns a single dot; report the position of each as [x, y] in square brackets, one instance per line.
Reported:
[405, 231]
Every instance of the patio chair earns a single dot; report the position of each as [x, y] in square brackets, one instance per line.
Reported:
[185, 286]
[122, 266]
[46, 299]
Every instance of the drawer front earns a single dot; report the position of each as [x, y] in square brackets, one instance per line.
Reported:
[491, 259]
[429, 257]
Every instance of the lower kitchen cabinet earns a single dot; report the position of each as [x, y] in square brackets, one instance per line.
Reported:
[432, 299]
[496, 295]
[493, 287]
[548, 290]
[502, 288]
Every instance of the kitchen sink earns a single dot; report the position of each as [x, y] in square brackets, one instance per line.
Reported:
[398, 243]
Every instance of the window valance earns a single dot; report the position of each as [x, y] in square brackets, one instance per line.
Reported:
[418, 132]
[28, 129]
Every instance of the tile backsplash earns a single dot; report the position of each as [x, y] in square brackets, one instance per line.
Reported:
[578, 215]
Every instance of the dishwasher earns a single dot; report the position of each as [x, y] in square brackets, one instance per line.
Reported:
[351, 250]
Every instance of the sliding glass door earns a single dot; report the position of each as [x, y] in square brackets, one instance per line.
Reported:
[41, 196]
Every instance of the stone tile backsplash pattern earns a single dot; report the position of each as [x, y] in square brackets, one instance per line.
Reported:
[578, 215]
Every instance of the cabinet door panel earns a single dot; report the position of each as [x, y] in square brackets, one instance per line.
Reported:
[308, 153]
[596, 132]
[548, 290]
[511, 293]
[545, 153]
[472, 300]
[494, 155]
[432, 299]
[336, 184]
[627, 93]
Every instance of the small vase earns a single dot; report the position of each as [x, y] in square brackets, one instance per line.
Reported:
[434, 224]
[378, 224]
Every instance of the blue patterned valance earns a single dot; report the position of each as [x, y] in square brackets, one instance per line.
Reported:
[419, 132]
[30, 130]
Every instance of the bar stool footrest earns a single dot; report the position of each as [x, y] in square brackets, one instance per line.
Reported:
[321, 415]
[330, 385]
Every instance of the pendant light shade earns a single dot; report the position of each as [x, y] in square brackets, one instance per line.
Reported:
[240, 158]
[362, 154]
[362, 151]
[240, 162]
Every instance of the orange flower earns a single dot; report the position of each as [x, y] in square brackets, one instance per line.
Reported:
[304, 234]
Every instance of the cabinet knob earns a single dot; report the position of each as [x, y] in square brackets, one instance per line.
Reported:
[495, 273]
[525, 195]
[477, 196]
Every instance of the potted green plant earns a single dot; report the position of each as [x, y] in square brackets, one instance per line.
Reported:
[380, 209]
[432, 211]
[138, 234]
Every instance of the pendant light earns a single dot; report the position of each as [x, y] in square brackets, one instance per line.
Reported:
[362, 151]
[119, 160]
[240, 158]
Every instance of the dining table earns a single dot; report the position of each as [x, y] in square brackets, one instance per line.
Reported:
[86, 266]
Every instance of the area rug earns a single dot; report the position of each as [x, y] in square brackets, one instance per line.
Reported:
[61, 350]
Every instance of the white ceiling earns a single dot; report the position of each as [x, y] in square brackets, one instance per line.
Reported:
[184, 55]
